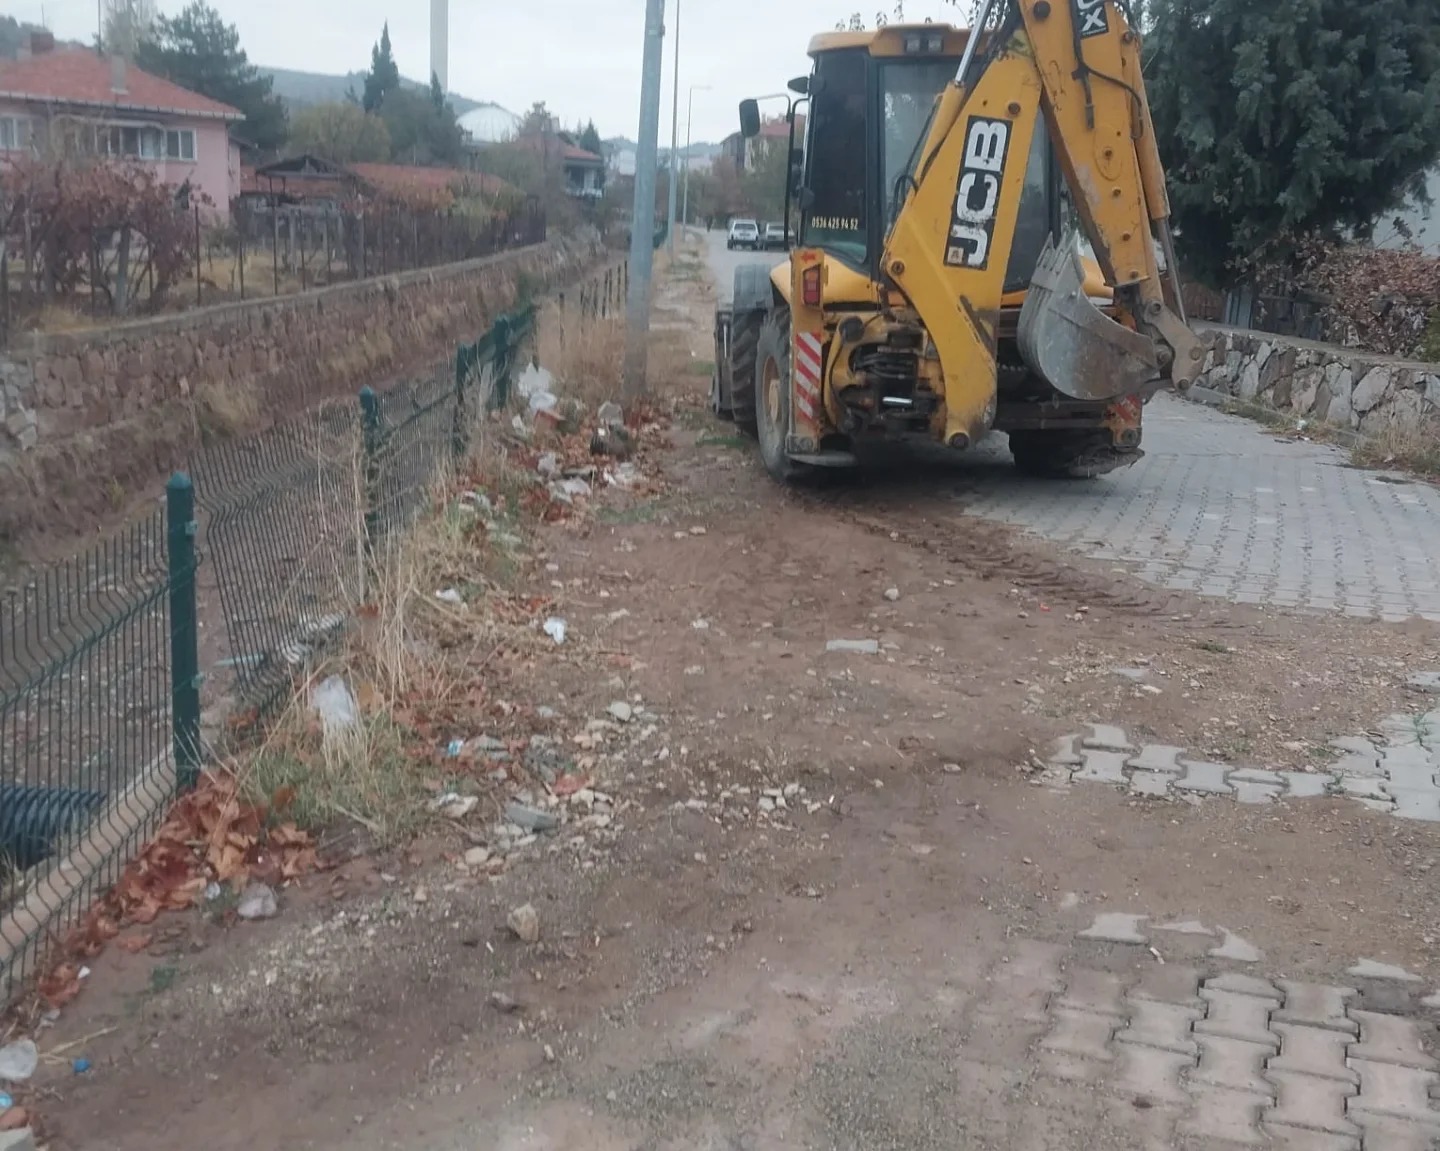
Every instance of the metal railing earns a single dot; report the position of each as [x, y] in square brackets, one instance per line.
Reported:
[248, 568]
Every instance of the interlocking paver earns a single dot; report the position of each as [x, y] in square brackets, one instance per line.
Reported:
[1317, 1051]
[1115, 927]
[1165, 1026]
[1242, 984]
[1204, 777]
[1317, 1005]
[1254, 794]
[1228, 1116]
[1297, 1139]
[1107, 737]
[1304, 785]
[1191, 514]
[1170, 983]
[1392, 1039]
[1233, 1064]
[1159, 757]
[1420, 805]
[1400, 1092]
[1080, 1033]
[1308, 1101]
[1102, 766]
[1097, 992]
[1234, 1016]
[1155, 784]
[1152, 1074]
[1383, 1133]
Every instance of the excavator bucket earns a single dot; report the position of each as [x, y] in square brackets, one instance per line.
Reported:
[1077, 349]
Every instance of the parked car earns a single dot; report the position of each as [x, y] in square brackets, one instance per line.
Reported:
[773, 237]
[743, 234]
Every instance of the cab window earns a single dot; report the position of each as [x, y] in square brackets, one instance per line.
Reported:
[836, 219]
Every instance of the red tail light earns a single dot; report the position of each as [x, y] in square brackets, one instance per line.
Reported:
[810, 287]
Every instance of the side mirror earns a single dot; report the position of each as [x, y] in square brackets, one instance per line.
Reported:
[749, 118]
[800, 85]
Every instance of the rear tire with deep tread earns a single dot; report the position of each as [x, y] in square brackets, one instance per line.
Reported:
[772, 373]
[744, 344]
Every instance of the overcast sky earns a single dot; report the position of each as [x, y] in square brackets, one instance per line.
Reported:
[582, 57]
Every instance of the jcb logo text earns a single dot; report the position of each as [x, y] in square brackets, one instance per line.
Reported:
[977, 193]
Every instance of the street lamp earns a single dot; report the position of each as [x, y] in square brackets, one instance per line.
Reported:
[689, 116]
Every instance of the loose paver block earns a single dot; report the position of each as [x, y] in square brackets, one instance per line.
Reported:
[1357, 766]
[1185, 927]
[1357, 744]
[1254, 794]
[1312, 1102]
[1237, 949]
[1304, 785]
[1315, 1051]
[1159, 757]
[1115, 927]
[1107, 737]
[1155, 784]
[1255, 775]
[1360, 787]
[1208, 778]
[1421, 805]
[1233, 1016]
[1102, 767]
[1373, 969]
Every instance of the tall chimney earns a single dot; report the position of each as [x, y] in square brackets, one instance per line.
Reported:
[118, 72]
[440, 42]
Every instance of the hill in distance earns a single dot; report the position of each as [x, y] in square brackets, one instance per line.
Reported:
[301, 89]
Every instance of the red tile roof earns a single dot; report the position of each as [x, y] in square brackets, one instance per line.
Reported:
[558, 147]
[79, 76]
[402, 177]
[383, 177]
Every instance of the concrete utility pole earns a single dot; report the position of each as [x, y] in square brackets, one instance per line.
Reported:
[689, 116]
[642, 216]
[674, 134]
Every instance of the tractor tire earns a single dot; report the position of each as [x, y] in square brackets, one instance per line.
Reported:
[773, 397]
[744, 343]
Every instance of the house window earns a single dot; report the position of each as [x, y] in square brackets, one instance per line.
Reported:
[14, 133]
[180, 144]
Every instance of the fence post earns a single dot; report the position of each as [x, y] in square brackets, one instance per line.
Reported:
[184, 631]
[199, 297]
[460, 430]
[370, 418]
[500, 393]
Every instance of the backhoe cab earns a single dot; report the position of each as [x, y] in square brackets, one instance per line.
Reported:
[937, 285]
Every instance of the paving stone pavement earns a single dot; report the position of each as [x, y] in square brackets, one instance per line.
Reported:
[1220, 507]
[1400, 775]
[1228, 1058]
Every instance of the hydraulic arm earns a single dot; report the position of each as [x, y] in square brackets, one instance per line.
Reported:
[1076, 63]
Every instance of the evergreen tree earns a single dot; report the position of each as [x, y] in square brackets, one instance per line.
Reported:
[199, 51]
[590, 139]
[1289, 118]
[384, 75]
[437, 93]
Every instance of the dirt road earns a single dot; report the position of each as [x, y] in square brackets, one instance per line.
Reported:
[852, 899]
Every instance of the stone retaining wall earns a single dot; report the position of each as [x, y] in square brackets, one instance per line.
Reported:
[1352, 389]
[89, 420]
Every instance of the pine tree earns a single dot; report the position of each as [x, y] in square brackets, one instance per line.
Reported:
[590, 139]
[384, 75]
[1289, 118]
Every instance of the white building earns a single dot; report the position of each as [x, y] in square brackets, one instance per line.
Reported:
[490, 124]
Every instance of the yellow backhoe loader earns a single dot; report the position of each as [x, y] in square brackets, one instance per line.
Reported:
[936, 285]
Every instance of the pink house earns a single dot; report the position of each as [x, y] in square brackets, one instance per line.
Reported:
[76, 101]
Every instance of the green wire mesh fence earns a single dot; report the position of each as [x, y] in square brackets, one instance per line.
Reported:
[243, 574]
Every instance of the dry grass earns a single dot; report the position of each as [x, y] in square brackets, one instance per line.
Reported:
[1402, 446]
[225, 409]
[584, 353]
[408, 658]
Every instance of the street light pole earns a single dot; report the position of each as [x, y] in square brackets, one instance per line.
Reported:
[689, 116]
[642, 217]
[674, 133]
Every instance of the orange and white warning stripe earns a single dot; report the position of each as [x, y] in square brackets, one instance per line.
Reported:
[807, 372]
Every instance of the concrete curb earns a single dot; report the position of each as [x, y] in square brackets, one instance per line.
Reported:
[1223, 401]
